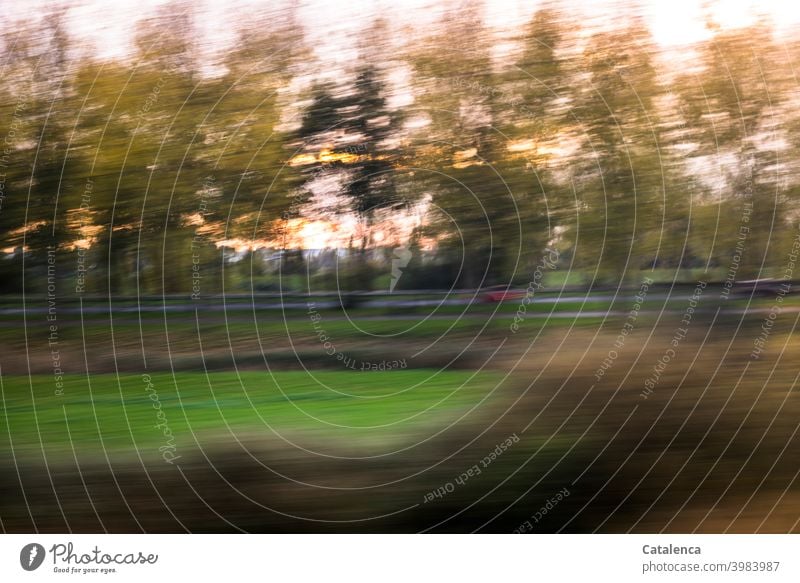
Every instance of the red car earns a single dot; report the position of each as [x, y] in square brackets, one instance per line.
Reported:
[501, 293]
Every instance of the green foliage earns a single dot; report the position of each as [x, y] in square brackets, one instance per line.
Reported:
[592, 145]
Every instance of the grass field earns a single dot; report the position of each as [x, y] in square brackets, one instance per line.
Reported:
[121, 415]
[261, 403]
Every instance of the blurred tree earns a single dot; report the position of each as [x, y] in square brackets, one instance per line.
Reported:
[37, 170]
[14, 158]
[179, 161]
[730, 106]
[621, 183]
[461, 154]
[244, 147]
[137, 127]
[349, 134]
[586, 148]
[541, 128]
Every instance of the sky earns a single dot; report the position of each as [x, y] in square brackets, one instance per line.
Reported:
[106, 25]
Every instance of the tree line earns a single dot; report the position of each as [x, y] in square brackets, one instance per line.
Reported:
[621, 156]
